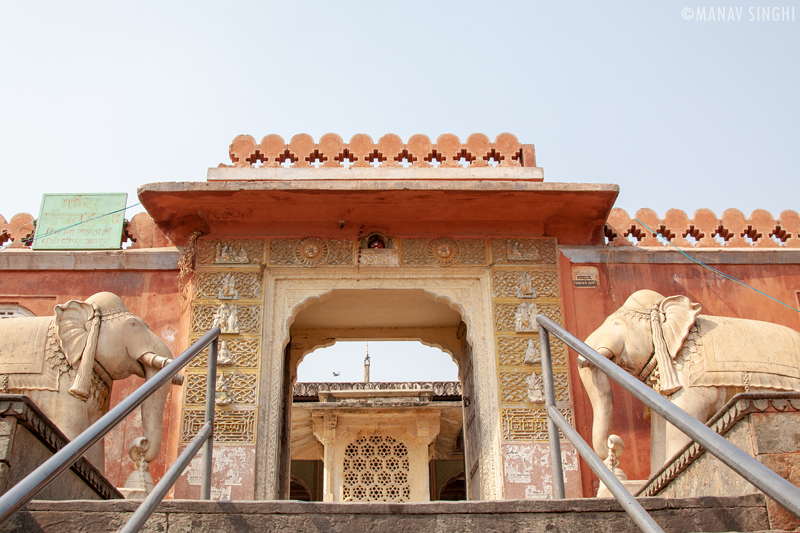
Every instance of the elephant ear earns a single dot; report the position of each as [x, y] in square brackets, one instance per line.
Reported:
[679, 314]
[72, 320]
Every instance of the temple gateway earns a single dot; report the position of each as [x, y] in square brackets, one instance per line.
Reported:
[458, 244]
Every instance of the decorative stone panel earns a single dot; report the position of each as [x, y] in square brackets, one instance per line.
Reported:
[442, 251]
[523, 252]
[244, 352]
[249, 318]
[229, 425]
[527, 425]
[227, 285]
[243, 388]
[514, 386]
[312, 251]
[230, 252]
[507, 316]
[511, 350]
[512, 283]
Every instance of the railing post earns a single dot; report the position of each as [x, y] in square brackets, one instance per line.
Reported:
[208, 447]
[550, 400]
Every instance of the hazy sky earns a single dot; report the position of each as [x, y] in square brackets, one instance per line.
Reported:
[106, 96]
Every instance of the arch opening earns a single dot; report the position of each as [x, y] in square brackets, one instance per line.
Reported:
[408, 392]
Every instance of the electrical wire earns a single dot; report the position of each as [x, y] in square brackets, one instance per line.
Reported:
[712, 269]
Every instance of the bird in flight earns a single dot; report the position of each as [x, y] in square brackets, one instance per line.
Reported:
[336, 374]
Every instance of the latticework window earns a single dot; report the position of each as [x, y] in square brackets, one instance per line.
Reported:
[376, 470]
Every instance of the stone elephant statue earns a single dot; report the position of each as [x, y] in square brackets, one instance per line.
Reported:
[691, 359]
[66, 365]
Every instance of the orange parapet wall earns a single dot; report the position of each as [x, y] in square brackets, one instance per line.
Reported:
[419, 152]
[704, 229]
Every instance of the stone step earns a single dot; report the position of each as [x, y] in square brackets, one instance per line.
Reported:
[742, 513]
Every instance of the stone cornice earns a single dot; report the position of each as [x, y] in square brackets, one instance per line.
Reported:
[139, 259]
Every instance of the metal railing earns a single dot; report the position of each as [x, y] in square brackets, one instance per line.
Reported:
[773, 485]
[24, 491]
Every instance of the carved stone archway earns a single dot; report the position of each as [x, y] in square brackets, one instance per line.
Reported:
[467, 291]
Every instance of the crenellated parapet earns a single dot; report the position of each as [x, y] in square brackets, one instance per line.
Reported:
[704, 229]
[390, 151]
[141, 231]
[17, 231]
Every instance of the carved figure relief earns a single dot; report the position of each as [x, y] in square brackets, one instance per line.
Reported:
[525, 284]
[526, 288]
[512, 317]
[535, 388]
[231, 318]
[242, 352]
[226, 317]
[222, 395]
[524, 251]
[227, 285]
[230, 253]
[532, 355]
[238, 387]
[518, 252]
[224, 357]
[228, 289]
[525, 318]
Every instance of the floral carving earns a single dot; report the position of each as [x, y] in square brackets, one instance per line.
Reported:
[443, 251]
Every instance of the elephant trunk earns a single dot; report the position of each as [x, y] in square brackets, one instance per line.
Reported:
[153, 409]
[598, 387]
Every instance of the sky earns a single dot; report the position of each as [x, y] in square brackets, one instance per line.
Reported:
[680, 112]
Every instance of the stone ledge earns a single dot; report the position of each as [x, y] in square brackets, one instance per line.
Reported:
[339, 174]
[745, 513]
[581, 505]
[139, 259]
[669, 255]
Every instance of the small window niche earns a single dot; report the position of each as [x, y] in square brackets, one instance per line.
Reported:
[376, 240]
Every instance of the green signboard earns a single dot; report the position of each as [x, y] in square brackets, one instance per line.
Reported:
[80, 222]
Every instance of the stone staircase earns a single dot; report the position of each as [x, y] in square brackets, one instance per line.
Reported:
[740, 513]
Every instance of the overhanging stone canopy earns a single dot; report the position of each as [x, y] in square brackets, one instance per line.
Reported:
[415, 188]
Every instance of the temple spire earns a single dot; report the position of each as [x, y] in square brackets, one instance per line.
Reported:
[366, 365]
